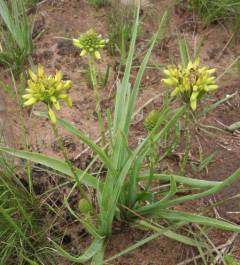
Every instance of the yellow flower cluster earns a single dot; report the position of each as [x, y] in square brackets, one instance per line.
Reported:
[90, 42]
[47, 89]
[191, 82]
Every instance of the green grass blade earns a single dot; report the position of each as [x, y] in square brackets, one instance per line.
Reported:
[94, 248]
[12, 222]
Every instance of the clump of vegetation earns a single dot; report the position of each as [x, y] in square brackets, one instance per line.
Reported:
[123, 189]
[217, 10]
[119, 195]
[23, 230]
[15, 35]
[120, 21]
[99, 3]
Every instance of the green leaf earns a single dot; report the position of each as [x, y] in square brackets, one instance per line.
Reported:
[198, 219]
[161, 205]
[184, 52]
[172, 235]
[53, 163]
[196, 183]
[230, 260]
[94, 147]
[172, 190]
[94, 248]
[143, 241]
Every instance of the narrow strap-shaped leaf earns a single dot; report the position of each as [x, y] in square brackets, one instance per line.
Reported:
[94, 147]
[172, 190]
[132, 189]
[160, 205]
[196, 183]
[172, 235]
[144, 241]
[193, 218]
[184, 52]
[142, 68]
[123, 87]
[53, 163]
[98, 258]
[95, 247]
[123, 173]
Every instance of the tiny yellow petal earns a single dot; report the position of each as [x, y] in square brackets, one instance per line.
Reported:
[27, 96]
[58, 76]
[170, 81]
[83, 52]
[194, 104]
[67, 84]
[97, 55]
[175, 92]
[32, 75]
[166, 72]
[40, 70]
[56, 105]
[30, 102]
[53, 99]
[52, 116]
[68, 101]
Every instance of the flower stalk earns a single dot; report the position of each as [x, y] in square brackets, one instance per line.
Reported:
[191, 82]
[90, 43]
[67, 160]
[184, 160]
[93, 75]
[149, 123]
[51, 90]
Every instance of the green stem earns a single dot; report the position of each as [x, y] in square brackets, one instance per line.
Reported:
[93, 75]
[184, 160]
[152, 162]
[67, 160]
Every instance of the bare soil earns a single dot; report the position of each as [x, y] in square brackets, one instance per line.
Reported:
[58, 20]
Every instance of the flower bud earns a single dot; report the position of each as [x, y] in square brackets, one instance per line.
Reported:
[84, 206]
[151, 120]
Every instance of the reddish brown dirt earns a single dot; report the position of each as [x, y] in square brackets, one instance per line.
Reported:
[57, 20]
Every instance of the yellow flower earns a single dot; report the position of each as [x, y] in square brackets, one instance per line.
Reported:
[191, 82]
[47, 89]
[90, 42]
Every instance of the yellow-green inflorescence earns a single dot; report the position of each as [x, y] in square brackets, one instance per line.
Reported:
[47, 89]
[191, 82]
[90, 43]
